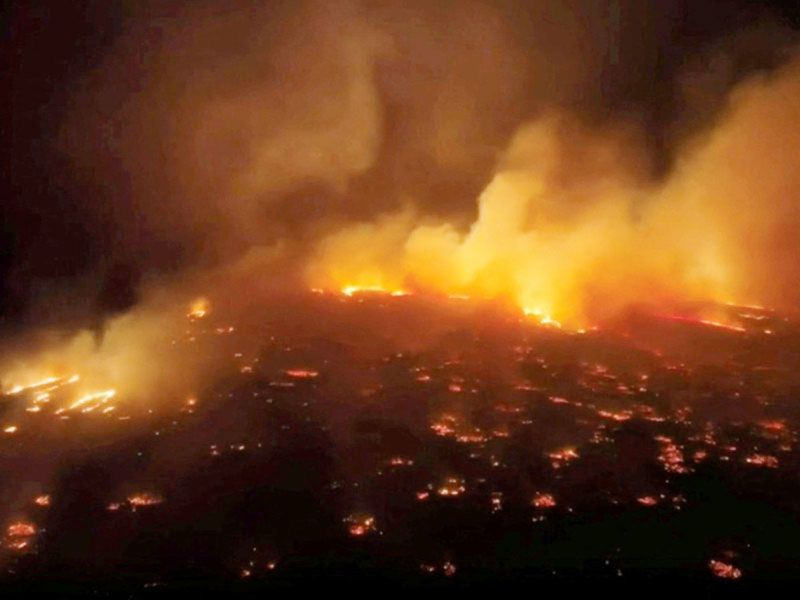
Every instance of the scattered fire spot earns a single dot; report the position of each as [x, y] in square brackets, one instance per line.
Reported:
[647, 500]
[452, 487]
[724, 570]
[302, 373]
[144, 499]
[542, 500]
[762, 460]
[359, 525]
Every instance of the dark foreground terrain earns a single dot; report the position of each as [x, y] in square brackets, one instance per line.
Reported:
[395, 442]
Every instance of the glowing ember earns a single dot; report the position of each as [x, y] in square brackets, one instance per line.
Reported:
[762, 460]
[17, 544]
[542, 500]
[359, 525]
[724, 570]
[671, 456]
[444, 427]
[647, 500]
[773, 425]
[615, 416]
[496, 499]
[471, 438]
[43, 500]
[10, 429]
[452, 487]
[21, 529]
[19, 536]
[563, 456]
[302, 373]
[144, 499]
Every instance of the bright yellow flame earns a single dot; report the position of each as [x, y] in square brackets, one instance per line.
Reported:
[199, 308]
[543, 318]
[144, 499]
[572, 228]
[19, 388]
[351, 290]
[89, 402]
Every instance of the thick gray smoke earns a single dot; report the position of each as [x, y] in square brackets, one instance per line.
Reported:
[507, 148]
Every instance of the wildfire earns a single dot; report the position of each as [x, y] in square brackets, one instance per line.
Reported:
[620, 416]
[724, 570]
[563, 457]
[773, 425]
[448, 568]
[471, 438]
[445, 426]
[21, 529]
[19, 536]
[18, 389]
[144, 499]
[496, 499]
[671, 456]
[359, 525]
[706, 322]
[542, 500]
[90, 402]
[351, 290]
[544, 319]
[199, 308]
[58, 390]
[302, 373]
[762, 460]
[42, 386]
[647, 500]
[452, 487]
